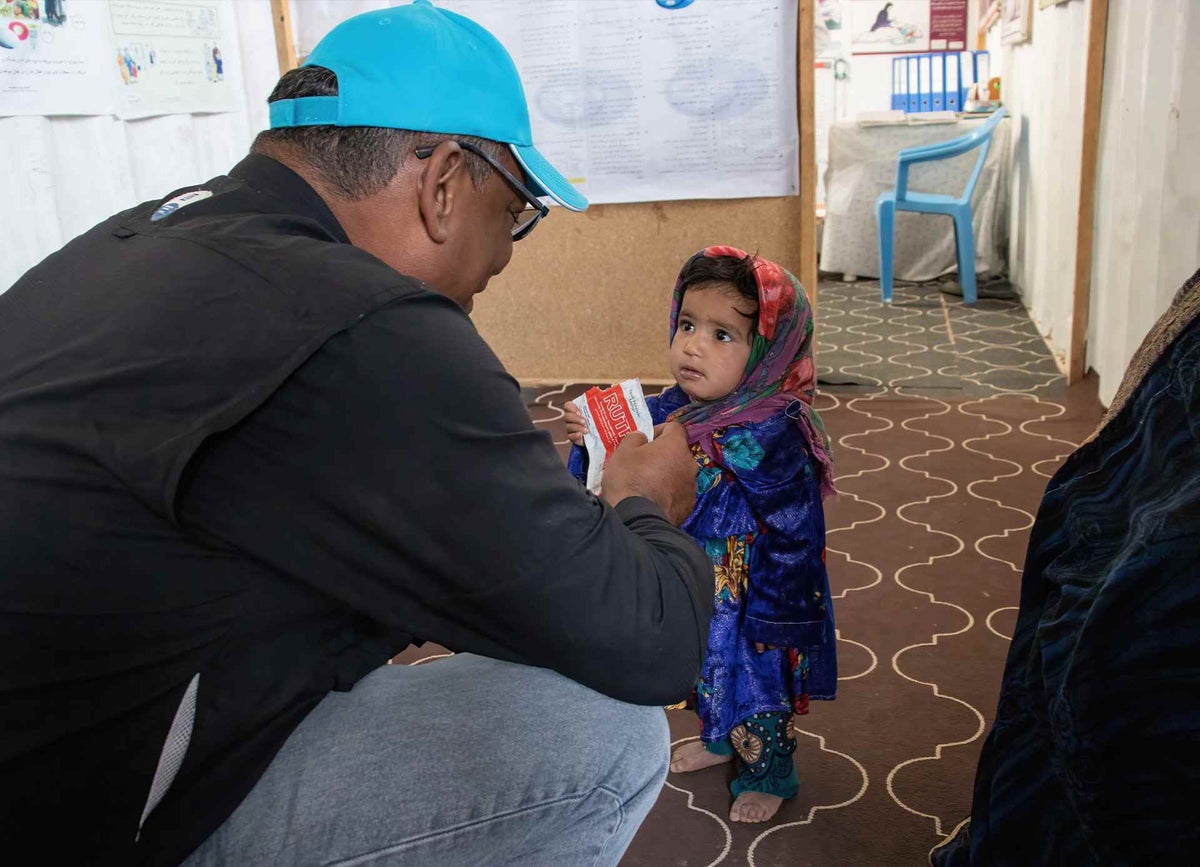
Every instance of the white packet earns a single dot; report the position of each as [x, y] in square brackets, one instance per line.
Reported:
[611, 414]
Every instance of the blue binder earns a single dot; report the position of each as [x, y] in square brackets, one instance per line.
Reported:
[937, 90]
[924, 73]
[914, 95]
[966, 72]
[982, 67]
[954, 82]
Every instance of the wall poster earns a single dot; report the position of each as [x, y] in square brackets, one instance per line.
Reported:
[131, 58]
[902, 26]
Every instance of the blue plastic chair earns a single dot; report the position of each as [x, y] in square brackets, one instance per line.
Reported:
[900, 199]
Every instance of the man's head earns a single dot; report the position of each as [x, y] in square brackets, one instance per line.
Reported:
[412, 124]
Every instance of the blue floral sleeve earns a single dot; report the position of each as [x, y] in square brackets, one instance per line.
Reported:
[577, 463]
[787, 600]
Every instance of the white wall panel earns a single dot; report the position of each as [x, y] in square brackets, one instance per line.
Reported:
[1147, 217]
[1148, 189]
[1042, 86]
[65, 174]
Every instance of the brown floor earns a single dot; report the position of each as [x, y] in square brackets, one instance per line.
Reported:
[938, 490]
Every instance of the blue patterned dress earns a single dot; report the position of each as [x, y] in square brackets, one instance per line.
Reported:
[758, 515]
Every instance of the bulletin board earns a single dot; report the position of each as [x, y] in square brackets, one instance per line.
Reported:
[586, 296]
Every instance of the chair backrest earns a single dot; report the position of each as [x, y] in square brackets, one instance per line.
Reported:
[977, 138]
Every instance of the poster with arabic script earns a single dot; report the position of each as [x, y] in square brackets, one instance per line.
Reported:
[132, 58]
[640, 101]
[637, 100]
[898, 26]
[53, 58]
[173, 57]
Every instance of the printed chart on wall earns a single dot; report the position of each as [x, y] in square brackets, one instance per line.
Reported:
[170, 57]
[132, 58]
[893, 26]
[53, 59]
[651, 101]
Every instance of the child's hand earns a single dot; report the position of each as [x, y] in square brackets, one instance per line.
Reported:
[760, 647]
[575, 424]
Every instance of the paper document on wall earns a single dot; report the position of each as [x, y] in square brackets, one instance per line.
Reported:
[641, 102]
[55, 60]
[173, 58]
[132, 58]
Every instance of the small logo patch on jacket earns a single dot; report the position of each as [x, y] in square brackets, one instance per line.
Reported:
[181, 201]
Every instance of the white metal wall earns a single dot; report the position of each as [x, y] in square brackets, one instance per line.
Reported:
[1042, 86]
[65, 174]
[1148, 192]
[1147, 218]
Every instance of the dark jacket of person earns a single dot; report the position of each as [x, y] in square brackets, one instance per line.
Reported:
[243, 463]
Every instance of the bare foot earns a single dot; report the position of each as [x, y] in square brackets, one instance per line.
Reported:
[754, 807]
[692, 757]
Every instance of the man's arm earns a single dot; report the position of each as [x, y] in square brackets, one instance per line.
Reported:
[398, 472]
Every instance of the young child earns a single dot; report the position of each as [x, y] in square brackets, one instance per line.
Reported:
[741, 353]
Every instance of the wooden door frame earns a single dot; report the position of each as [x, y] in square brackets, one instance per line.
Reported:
[1093, 102]
[806, 100]
[285, 43]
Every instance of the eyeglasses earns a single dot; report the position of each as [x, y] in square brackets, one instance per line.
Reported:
[523, 222]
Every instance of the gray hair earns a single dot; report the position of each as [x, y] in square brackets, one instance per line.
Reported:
[357, 161]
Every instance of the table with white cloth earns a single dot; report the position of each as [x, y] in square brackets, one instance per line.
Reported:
[862, 164]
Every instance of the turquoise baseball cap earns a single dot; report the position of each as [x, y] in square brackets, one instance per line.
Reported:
[421, 68]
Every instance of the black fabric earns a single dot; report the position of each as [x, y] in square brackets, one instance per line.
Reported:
[1094, 757]
[233, 444]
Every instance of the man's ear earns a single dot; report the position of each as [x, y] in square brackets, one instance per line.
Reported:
[438, 186]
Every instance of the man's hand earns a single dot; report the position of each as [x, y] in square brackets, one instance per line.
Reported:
[663, 471]
[576, 426]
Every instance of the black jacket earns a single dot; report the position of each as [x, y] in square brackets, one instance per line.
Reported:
[242, 463]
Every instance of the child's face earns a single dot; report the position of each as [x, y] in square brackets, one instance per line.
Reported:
[712, 340]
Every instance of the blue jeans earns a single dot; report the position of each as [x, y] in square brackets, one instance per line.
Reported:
[464, 760]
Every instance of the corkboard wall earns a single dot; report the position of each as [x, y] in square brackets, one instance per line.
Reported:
[587, 296]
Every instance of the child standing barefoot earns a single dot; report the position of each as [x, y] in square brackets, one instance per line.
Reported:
[741, 355]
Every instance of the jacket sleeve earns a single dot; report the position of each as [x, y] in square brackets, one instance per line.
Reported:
[787, 602]
[398, 472]
[577, 463]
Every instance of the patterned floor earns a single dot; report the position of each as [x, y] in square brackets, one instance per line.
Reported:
[947, 425]
[929, 340]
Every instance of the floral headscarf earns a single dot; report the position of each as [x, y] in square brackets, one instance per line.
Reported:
[780, 374]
